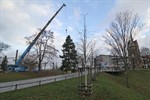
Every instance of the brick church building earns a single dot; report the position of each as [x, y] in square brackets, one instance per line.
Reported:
[134, 57]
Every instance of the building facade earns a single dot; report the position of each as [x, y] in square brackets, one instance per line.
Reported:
[134, 57]
[104, 61]
[107, 61]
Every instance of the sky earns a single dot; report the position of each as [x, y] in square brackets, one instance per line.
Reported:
[21, 18]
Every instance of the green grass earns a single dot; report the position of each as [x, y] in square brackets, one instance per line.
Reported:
[14, 76]
[106, 87]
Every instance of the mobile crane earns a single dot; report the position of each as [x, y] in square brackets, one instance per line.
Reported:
[36, 38]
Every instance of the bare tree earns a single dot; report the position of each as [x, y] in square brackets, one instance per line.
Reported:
[43, 47]
[30, 61]
[3, 46]
[92, 53]
[145, 51]
[145, 54]
[85, 44]
[121, 31]
[84, 48]
[51, 56]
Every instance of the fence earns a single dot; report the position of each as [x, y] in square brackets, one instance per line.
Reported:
[113, 69]
[16, 86]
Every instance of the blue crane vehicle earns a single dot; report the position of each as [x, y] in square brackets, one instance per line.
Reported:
[36, 38]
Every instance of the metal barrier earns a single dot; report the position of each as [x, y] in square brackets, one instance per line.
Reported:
[34, 83]
[112, 69]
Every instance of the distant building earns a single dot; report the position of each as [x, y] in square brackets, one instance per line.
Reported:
[104, 61]
[146, 61]
[134, 57]
[80, 59]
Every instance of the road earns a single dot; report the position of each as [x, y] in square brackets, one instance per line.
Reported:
[14, 85]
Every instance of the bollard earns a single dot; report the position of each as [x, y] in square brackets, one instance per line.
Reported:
[39, 82]
[16, 87]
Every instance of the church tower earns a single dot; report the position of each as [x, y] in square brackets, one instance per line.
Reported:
[134, 57]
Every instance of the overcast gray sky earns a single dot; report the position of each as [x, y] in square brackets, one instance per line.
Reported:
[20, 18]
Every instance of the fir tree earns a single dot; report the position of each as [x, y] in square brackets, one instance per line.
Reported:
[69, 56]
[4, 63]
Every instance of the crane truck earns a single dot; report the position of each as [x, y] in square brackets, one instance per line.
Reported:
[17, 66]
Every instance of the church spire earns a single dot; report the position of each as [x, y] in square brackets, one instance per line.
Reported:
[131, 38]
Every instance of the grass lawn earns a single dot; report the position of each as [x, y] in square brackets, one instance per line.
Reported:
[106, 87]
[14, 76]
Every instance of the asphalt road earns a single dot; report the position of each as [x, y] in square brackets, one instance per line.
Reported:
[14, 85]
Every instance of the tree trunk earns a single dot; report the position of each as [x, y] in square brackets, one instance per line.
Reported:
[39, 66]
[127, 81]
[126, 73]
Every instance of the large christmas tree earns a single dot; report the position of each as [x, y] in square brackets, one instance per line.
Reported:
[69, 57]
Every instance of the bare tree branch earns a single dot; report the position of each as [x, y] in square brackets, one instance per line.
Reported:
[121, 31]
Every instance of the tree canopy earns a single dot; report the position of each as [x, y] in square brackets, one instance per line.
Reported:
[3, 46]
[120, 34]
[43, 47]
[145, 51]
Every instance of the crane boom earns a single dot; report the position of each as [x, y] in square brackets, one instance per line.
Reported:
[33, 42]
